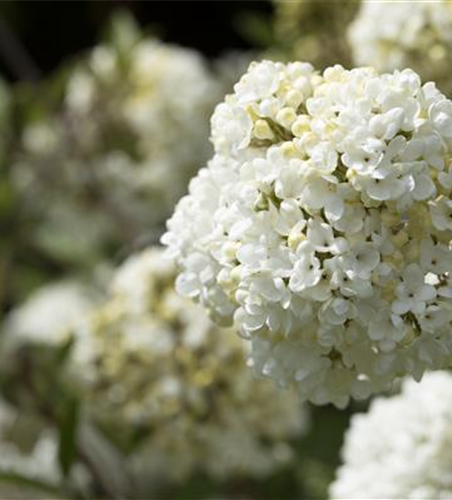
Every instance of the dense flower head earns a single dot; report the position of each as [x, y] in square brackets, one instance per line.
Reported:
[401, 448]
[322, 226]
[161, 368]
[125, 138]
[406, 34]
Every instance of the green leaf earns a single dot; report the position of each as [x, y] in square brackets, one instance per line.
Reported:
[25, 482]
[63, 351]
[255, 28]
[68, 424]
[123, 31]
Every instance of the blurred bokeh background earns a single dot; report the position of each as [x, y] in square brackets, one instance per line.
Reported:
[51, 32]
[110, 385]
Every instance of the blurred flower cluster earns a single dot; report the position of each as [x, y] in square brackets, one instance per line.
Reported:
[156, 365]
[415, 35]
[117, 148]
[212, 266]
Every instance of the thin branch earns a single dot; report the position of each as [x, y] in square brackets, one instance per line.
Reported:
[16, 55]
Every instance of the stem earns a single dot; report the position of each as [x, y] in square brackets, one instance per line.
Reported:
[16, 55]
[104, 487]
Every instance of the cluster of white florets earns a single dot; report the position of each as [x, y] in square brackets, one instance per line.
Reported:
[132, 131]
[161, 367]
[49, 318]
[392, 35]
[402, 448]
[161, 96]
[322, 226]
[49, 314]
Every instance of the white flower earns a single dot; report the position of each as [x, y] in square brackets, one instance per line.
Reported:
[132, 130]
[408, 34]
[361, 261]
[326, 239]
[260, 82]
[434, 318]
[306, 272]
[324, 192]
[50, 313]
[382, 187]
[387, 329]
[160, 367]
[231, 126]
[413, 293]
[320, 235]
[402, 447]
[441, 211]
[436, 259]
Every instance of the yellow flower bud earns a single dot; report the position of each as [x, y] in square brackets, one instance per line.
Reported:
[262, 130]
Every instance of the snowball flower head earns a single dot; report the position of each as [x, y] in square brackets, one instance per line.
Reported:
[322, 226]
[401, 448]
[410, 34]
[160, 366]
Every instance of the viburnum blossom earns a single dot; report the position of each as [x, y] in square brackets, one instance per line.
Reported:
[126, 137]
[401, 448]
[160, 368]
[408, 34]
[321, 227]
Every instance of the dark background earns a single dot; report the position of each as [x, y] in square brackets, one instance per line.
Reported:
[50, 31]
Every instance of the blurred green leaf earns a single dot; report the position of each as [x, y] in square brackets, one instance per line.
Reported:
[63, 351]
[123, 31]
[255, 28]
[25, 482]
[7, 196]
[68, 425]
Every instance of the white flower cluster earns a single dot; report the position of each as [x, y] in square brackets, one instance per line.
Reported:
[322, 226]
[50, 314]
[401, 448]
[160, 96]
[159, 366]
[131, 132]
[49, 317]
[407, 34]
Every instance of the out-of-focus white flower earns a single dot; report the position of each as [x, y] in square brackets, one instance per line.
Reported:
[161, 97]
[159, 365]
[407, 34]
[120, 148]
[401, 448]
[49, 315]
[320, 227]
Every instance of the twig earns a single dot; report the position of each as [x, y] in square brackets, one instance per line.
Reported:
[16, 55]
